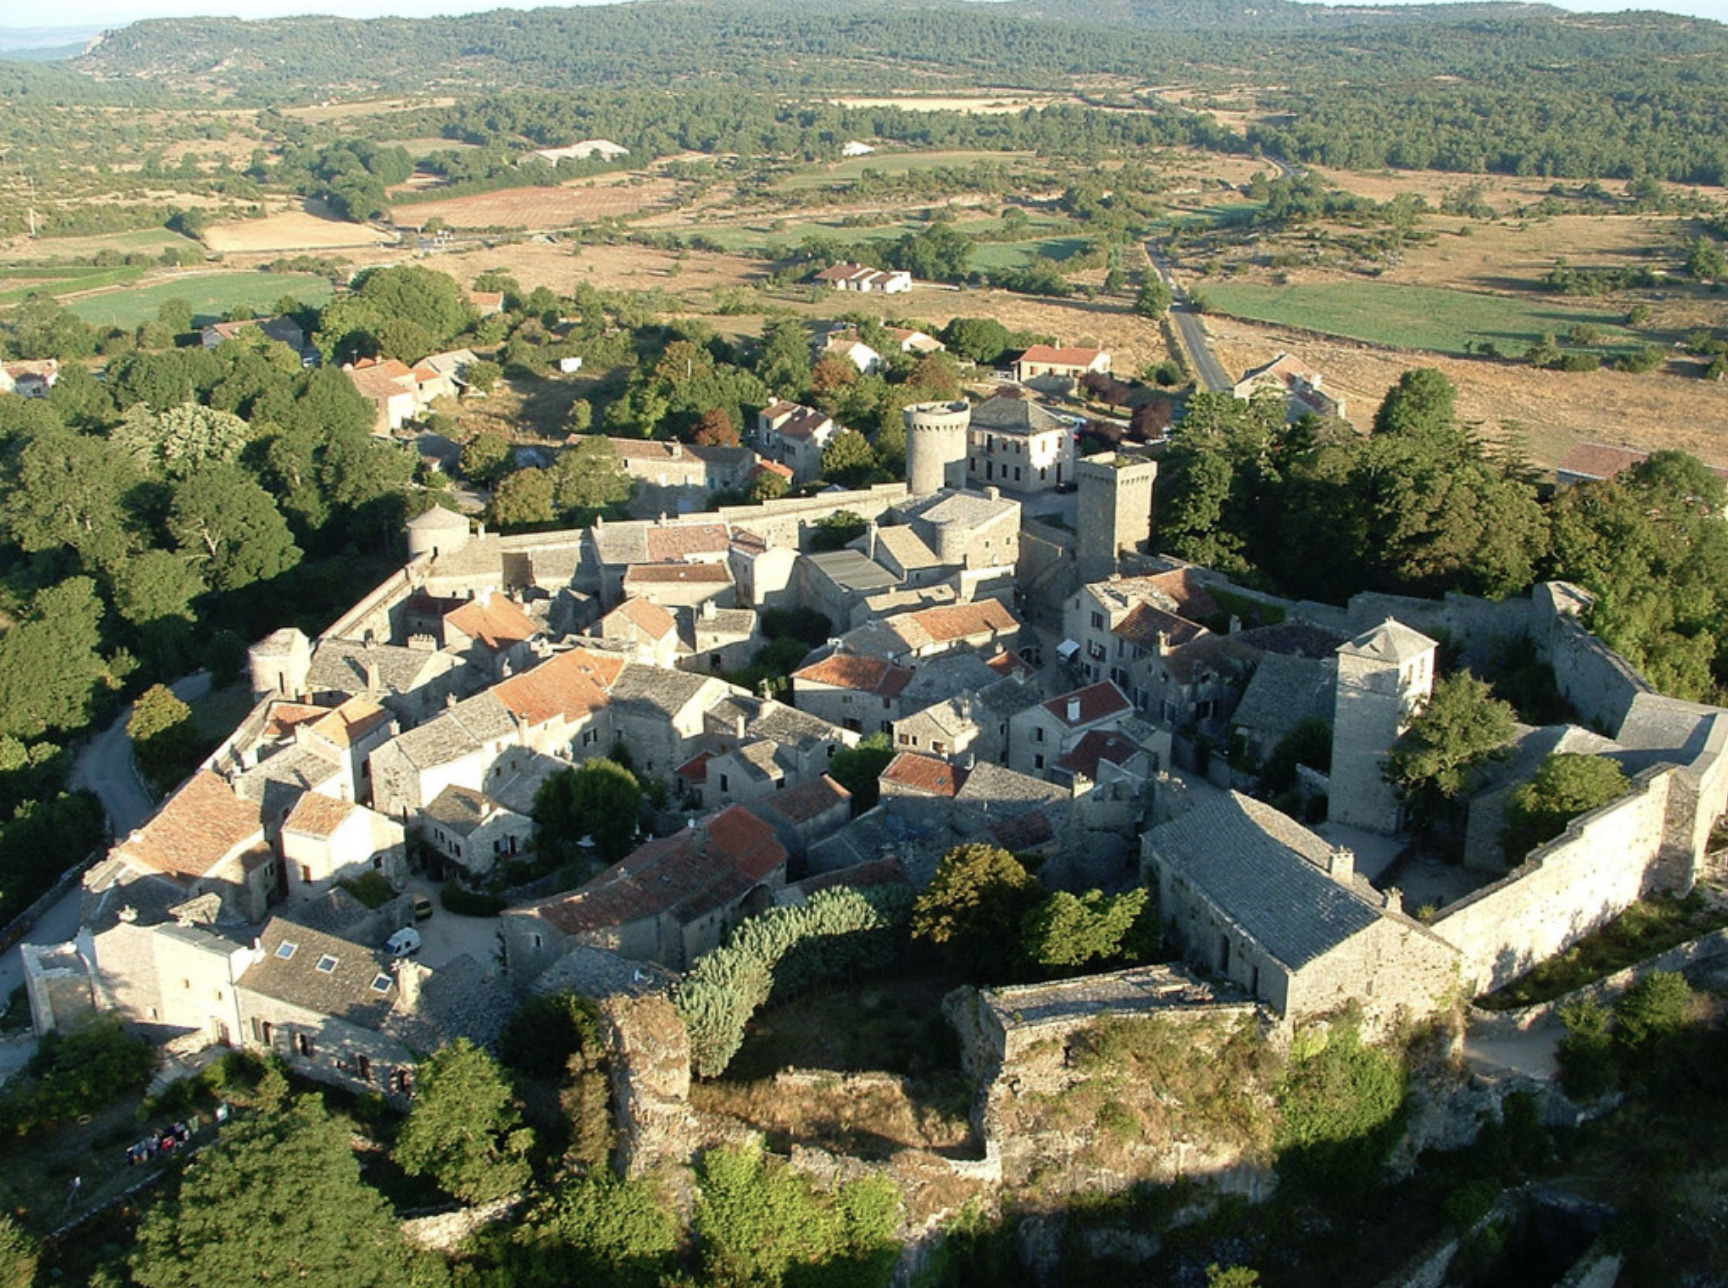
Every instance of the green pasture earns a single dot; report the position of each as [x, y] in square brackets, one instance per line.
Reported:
[991, 257]
[1411, 317]
[890, 163]
[66, 281]
[425, 147]
[148, 241]
[212, 296]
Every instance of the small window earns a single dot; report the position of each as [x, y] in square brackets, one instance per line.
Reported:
[1097, 621]
[1037, 733]
[724, 784]
[305, 1045]
[536, 941]
[306, 873]
[1038, 762]
[286, 949]
[380, 983]
[327, 964]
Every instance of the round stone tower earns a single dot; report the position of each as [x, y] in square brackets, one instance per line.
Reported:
[936, 445]
[435, 531]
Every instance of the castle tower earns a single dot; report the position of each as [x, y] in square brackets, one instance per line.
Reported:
[1115, 510]
[936, 445]
[1385, 677]
[438, 530]
[279, 664]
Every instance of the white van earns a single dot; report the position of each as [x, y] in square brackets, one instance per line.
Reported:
[404, 943]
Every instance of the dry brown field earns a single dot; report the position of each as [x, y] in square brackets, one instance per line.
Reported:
[972, 104]
[310, 227]
[1556, 409]
[325, 112]
[535, 208]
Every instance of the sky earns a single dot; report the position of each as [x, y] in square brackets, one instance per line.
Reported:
[117, 13]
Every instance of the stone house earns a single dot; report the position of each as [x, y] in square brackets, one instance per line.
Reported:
[680, 477]
[1041, 735]
[474, 831]
[492, 634]
[946, 728]
[668, 902]
[208, 840]
[282, 330]
[835, 582]
[763, 575]
[1284, 691]
[855, 692]
[678, 585]
[324, 841]
[662, 716]
[648, 632]
[412, 683]
[926, 633]
[864, 279]
[1258, 899]
[977, 533]
[905, 554]
[795, 435]
[719, 639]
[1385, 676]
[847, 347]
[1114, 624]
[1018, 445]
[30, 379]
[612, 550]
[1300, 387]
[803, 815]
[1043, 361]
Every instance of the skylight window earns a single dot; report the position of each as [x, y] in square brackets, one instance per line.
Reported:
[381, 983]
[286, 949]
[326, 964]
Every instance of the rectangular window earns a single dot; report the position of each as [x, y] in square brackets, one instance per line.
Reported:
[1097, 621]
[363, 1067]
[1037, 733]
[724, 785]
[1038, 762]
[306, 873]
[305, 1045]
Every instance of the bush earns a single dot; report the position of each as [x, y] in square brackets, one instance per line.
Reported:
[76, 1073]
[464, 902]
[1588, 1067]
[1343, 1107]
[837, 933]
[371, 888]
[1656, 1007]
[547, 1032]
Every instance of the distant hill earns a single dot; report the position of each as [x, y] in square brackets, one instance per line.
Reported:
[801, 46]
[45, 44]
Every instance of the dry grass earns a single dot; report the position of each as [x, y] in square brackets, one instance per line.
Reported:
[859, 1115]
[310, 227]
[1556, 409]
[971, 104]
[325, 112]
[544, 208]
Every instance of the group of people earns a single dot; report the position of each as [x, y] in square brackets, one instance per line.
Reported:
[158, 1144]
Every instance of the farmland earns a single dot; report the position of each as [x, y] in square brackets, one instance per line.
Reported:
[542, 208]
[211, 295]
[894, 163]
[1411, 317]
[148, 241]
[308, 227]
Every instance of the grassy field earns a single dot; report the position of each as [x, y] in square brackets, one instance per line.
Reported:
[149, 241]
[1056, 239]
[891, 163]
[995, 256]
[211, 295]
[64, 281]
[1410, 317]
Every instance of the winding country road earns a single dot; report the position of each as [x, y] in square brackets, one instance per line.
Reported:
[1209, 372]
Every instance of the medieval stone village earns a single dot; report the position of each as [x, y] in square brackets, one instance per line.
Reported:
[1048, 685]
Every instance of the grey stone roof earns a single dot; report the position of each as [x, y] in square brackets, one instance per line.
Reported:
[1286, 690]
[998, 785]
[339, 666]
[346, 991]
[1259, 868]
[1006, 696]
[658, 687]
[452, 734]
[477, 556]
[949, 716]
[773, 720]
[1391, 641]
[907, 548]
[1293, 637]
[852, 570]
[458, 1000]
[621, 543]
[338, 913]
[438, 519]
[947, 677]
[113, 885]
[458, 809]
[276, 783]
[597, 973]
[966, 509]
[517, 792]
[1008, 415]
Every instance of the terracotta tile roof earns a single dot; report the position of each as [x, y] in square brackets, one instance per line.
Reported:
[858, 673]
[804, 802]
[201, 825]
[950, 622]
[773, 467]
[666, 545]
[380, 378]
[1096, 746]
[487, 299]
[694, 770]
[495, 622]
[671, 574]
[925, 774]
[284, 716]
[1601, 461]
[351, 721]
[685, 874]
[1145, 623]
[647, 617]
[571, 685]
[1006, 664]
[1186, 593]
[803, 422]
[1097, 701]
[1061, 357]
[860, 876]
[318, 815]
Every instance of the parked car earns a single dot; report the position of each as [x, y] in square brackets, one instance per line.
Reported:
[422, 907]
[404, 943]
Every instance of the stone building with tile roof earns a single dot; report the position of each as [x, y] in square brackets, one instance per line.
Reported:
[1256, 898]
[324, 840]
[668, 902]
[851, 690]
[1042, 734]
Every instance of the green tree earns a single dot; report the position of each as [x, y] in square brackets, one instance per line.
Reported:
[859, 770]
[69, 490]
[590, 476]
[1154, 298]
[1232, 1277]
[229, 527]
[1433, 762]
[483, 376]
[975, 905]
[17, 1255]
[766, 486]
[848, 459]
[1068, 930]
[485, 458]
[609, 806]
[163, 736]
[581, 416]
[837, 530]
[1706, 260]
[464, 1129]
[51, 672]
[1564, 787]
[1422, 405]
[600, 1229]
[281, 1193]
[179, 439]
[784, 363]
[980, 340]
[524, 498]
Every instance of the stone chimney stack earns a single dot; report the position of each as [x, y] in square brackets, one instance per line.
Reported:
[409, 976]
[373, 682]
[1393, 899]
[1073, 710]
[1341, 865]
[708, 610]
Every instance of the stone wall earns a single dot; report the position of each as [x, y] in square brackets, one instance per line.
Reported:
[1596, 680]
[371, 616]
[1694, 952]
[1603, 862]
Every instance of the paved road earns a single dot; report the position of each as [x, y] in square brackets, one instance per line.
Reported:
[1208, 370]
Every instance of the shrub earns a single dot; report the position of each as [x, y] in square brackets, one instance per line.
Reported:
[838, 932]
[1343, 1107]
[1586, 1054]
[1654, 1008]
[76, 1073]
[546, 1032]
[464, 902]
[371, 888]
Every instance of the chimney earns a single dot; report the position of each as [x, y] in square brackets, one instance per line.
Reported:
[373, 683]
[708, 610]
[870, 540]
[1235, 623]
[1073, 710]
[738, 723]
[485, 596]
[1394, 899]
[408, 979]
[1341, 865]
[1162, 643]
[993, 493]
[677, 450]
[662, 518]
